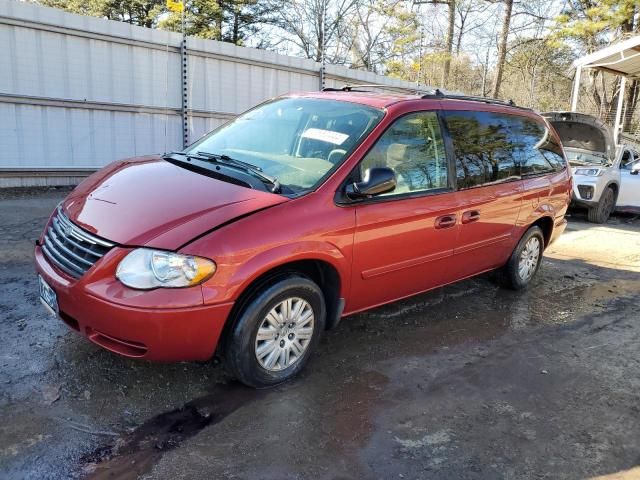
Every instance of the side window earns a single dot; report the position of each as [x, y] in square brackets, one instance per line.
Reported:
[553, 154]
[629, 166]
[414, 149]
[539, 153]
[484, 145]
[628, 158]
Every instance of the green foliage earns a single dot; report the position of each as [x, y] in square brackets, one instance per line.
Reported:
[588, 25]
[381, 31]
[591, 24]
[536, 75]
[227, 20]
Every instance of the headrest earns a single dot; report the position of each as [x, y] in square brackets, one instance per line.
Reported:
[396, 152]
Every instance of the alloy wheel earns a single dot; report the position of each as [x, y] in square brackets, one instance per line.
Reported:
[284, 334]
[529, 259]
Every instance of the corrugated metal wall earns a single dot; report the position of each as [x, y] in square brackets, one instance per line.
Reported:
[77, 92]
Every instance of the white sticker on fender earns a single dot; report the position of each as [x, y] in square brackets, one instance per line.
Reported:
[328, 136]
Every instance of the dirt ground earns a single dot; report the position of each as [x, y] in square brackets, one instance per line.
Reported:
[465, 382]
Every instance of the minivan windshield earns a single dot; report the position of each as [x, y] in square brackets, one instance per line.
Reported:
[298, 141]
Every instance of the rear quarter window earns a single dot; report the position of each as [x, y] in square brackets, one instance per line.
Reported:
[494, 147]
[540, 152]
[484, 146]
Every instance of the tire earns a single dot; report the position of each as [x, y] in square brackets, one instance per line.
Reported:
[283, 342]
[601, 212]
[514, 277]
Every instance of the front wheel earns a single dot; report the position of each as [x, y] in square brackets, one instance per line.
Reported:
[276, 332]
[602, 211]
[524, 261]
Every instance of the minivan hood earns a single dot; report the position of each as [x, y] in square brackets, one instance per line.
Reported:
[148, 201]
[578, 131]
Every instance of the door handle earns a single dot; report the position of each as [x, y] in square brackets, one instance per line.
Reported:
[470, 216]
[446, 221]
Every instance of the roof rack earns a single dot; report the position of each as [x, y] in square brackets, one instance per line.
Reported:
[433, 94]
[437, 93]
[355, 88]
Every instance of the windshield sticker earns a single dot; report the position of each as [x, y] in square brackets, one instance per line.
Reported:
[328, 136]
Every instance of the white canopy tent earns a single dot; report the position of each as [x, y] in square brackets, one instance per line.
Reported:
[621, 59]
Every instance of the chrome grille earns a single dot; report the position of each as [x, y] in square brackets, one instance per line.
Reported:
[70, 248]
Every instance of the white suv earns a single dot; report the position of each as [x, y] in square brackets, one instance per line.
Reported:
[595, 161]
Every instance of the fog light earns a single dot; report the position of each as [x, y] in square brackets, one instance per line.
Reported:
[586, 192]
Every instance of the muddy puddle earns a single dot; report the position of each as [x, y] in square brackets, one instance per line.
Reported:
[135, 453]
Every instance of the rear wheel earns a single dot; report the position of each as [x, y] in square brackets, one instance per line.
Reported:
[276, 332]
[524, 261]
[601, 212]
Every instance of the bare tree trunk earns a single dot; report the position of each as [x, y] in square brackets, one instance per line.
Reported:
[485, 67]
[451, 4]
[218, 21]
[463, 21]
[320, 19]
[532, 87]
[447, 61]
[502, 47]
[236, 25]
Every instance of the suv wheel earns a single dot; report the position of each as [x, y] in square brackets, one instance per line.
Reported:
[524, 261]
[276, 332]
[601, 212]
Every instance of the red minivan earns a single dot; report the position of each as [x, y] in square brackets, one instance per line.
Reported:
[304, 210]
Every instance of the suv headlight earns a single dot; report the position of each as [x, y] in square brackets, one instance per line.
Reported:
[145, 268]
[589, 172]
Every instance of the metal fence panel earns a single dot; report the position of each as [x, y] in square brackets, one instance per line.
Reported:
[78, 92]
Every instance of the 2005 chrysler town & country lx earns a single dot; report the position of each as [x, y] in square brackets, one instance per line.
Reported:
[303, 210]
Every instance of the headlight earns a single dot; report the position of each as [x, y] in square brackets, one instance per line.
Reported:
[145, 269]
[589, 172]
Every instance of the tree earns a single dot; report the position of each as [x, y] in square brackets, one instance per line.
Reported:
[232, 21]
[448, 47]
[470, 15]
[314, 27]
[589, 25]
[380, 32]
[535, 74]
[502, 47]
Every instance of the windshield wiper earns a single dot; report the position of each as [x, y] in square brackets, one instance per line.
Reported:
[248, 167]
[169, 155]
[225, 159]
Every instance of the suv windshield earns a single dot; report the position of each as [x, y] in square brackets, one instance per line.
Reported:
[298, 141]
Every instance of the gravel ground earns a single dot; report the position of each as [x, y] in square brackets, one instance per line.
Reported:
[465, 382]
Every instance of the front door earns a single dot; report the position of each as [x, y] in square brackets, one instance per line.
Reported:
[404, 239]
[629, 196]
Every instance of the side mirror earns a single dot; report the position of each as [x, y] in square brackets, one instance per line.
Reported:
[376, 180]
[635, 168]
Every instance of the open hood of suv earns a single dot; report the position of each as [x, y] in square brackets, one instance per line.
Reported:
[150, 202]
[583, 132]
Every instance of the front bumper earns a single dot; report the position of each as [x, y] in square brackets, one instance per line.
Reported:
[586, 191]
[131, 323]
